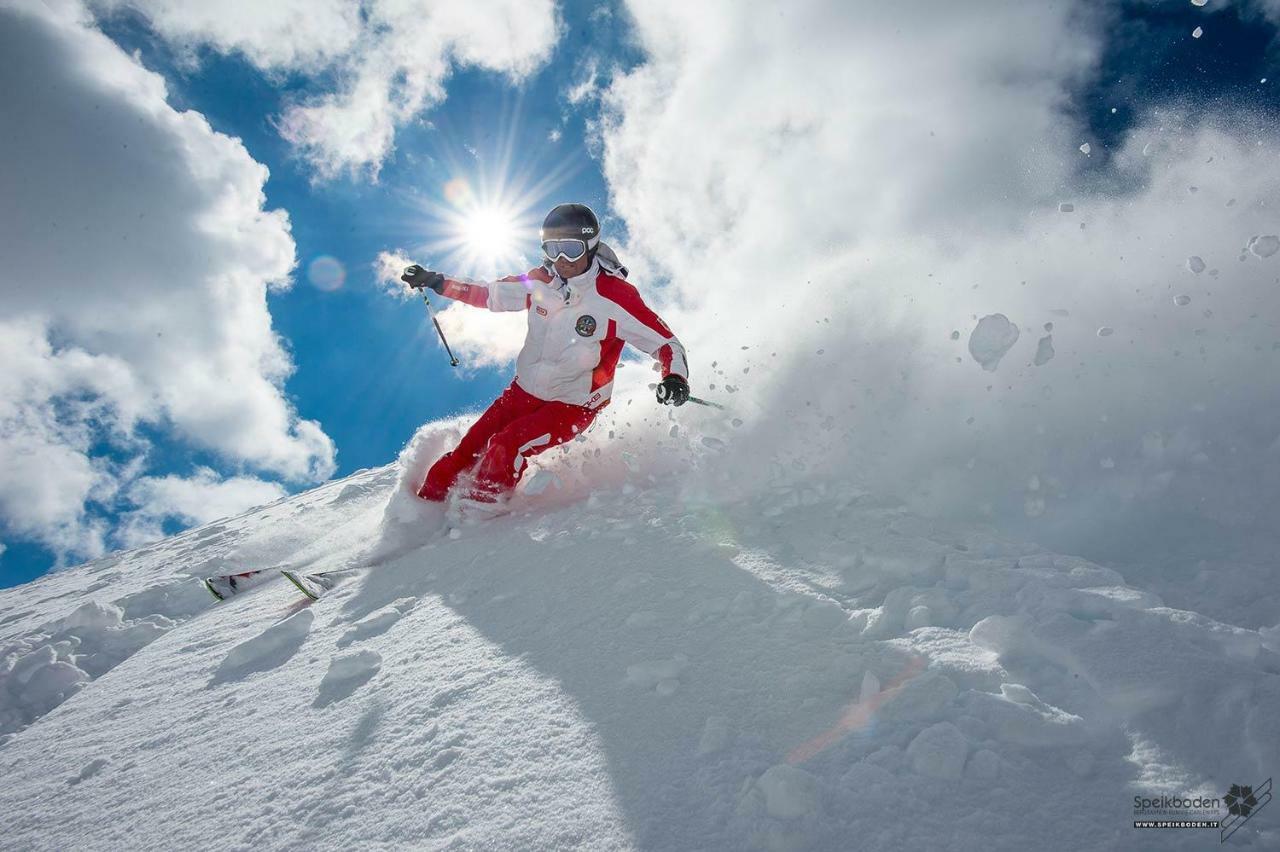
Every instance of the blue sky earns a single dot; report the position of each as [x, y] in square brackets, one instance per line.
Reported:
[379, 351]
[367, 367]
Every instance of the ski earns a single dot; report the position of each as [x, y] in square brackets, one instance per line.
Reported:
[226, 585]
[311, 585]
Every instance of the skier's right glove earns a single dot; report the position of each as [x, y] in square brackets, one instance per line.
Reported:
[673, 390]
[418, 278]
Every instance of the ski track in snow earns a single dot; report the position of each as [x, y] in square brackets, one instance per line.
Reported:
[802, 669]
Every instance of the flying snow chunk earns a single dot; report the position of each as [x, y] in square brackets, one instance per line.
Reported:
[1044, 351]
[1265, 246]
[789, 792]
[939, 751]
[1197, 32]
[1198, 2]
[1106, 331]
[991, 339]
[1064, 207]
[540, 482]
[1182, 301]
[1195, 264]
[1085, 149]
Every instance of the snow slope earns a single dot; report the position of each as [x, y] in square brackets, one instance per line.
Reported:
[794, 665]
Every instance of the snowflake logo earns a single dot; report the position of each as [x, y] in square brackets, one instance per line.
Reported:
[1240, 800]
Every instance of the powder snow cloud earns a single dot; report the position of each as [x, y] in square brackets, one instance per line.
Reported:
[137, 258]
[867, 180]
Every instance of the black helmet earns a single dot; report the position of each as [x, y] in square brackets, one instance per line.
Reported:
[572, 222]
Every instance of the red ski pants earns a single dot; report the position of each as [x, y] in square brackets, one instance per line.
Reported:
[516, 425]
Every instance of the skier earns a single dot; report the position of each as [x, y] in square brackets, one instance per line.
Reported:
[581, 310]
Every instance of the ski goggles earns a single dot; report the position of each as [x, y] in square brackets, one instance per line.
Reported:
[570, 250]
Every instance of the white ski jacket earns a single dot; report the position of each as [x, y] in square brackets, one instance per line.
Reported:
[577, 329]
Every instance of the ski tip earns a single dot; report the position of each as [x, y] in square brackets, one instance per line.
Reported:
[208, 585]
[300, 584]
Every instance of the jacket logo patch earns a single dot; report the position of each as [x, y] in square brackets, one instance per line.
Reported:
[541, 310]
[586, 325]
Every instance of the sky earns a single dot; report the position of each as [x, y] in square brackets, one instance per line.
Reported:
[209, 203]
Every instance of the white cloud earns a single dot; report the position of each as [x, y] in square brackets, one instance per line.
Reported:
[479, 338]
[1269, 8]
[586, 88]
[49, 403]
[197, 499]
[398, 69]
[390, 57]
[387, 268]
[867, 180]
[137, 258]
[281, 34]
[482, 338]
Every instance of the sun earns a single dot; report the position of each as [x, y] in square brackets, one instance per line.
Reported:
[479, 206]
[488, 239]
[489, 234]
[481, 235]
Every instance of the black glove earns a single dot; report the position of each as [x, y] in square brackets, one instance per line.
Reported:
[673, 390]
[417, 278]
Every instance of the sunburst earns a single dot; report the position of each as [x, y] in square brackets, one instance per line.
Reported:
[483, 221]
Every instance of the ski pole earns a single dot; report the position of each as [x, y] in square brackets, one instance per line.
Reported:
[453, 362]
[707, 403]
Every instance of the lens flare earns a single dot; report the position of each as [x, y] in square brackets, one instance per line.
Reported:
[326, 273]
[458, 193]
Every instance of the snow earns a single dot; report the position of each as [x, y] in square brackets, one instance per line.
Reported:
[1085, 148]
[1044, 349]
[789, 793]
[990, 339]
[939, 751]
[1265, 246]
[1195, 264]
[1197, 32]
[628, 660]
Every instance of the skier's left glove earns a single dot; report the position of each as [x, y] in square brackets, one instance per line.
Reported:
[673, 390]
[418, 278]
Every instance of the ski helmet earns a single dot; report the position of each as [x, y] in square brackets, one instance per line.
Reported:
[572, 222]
